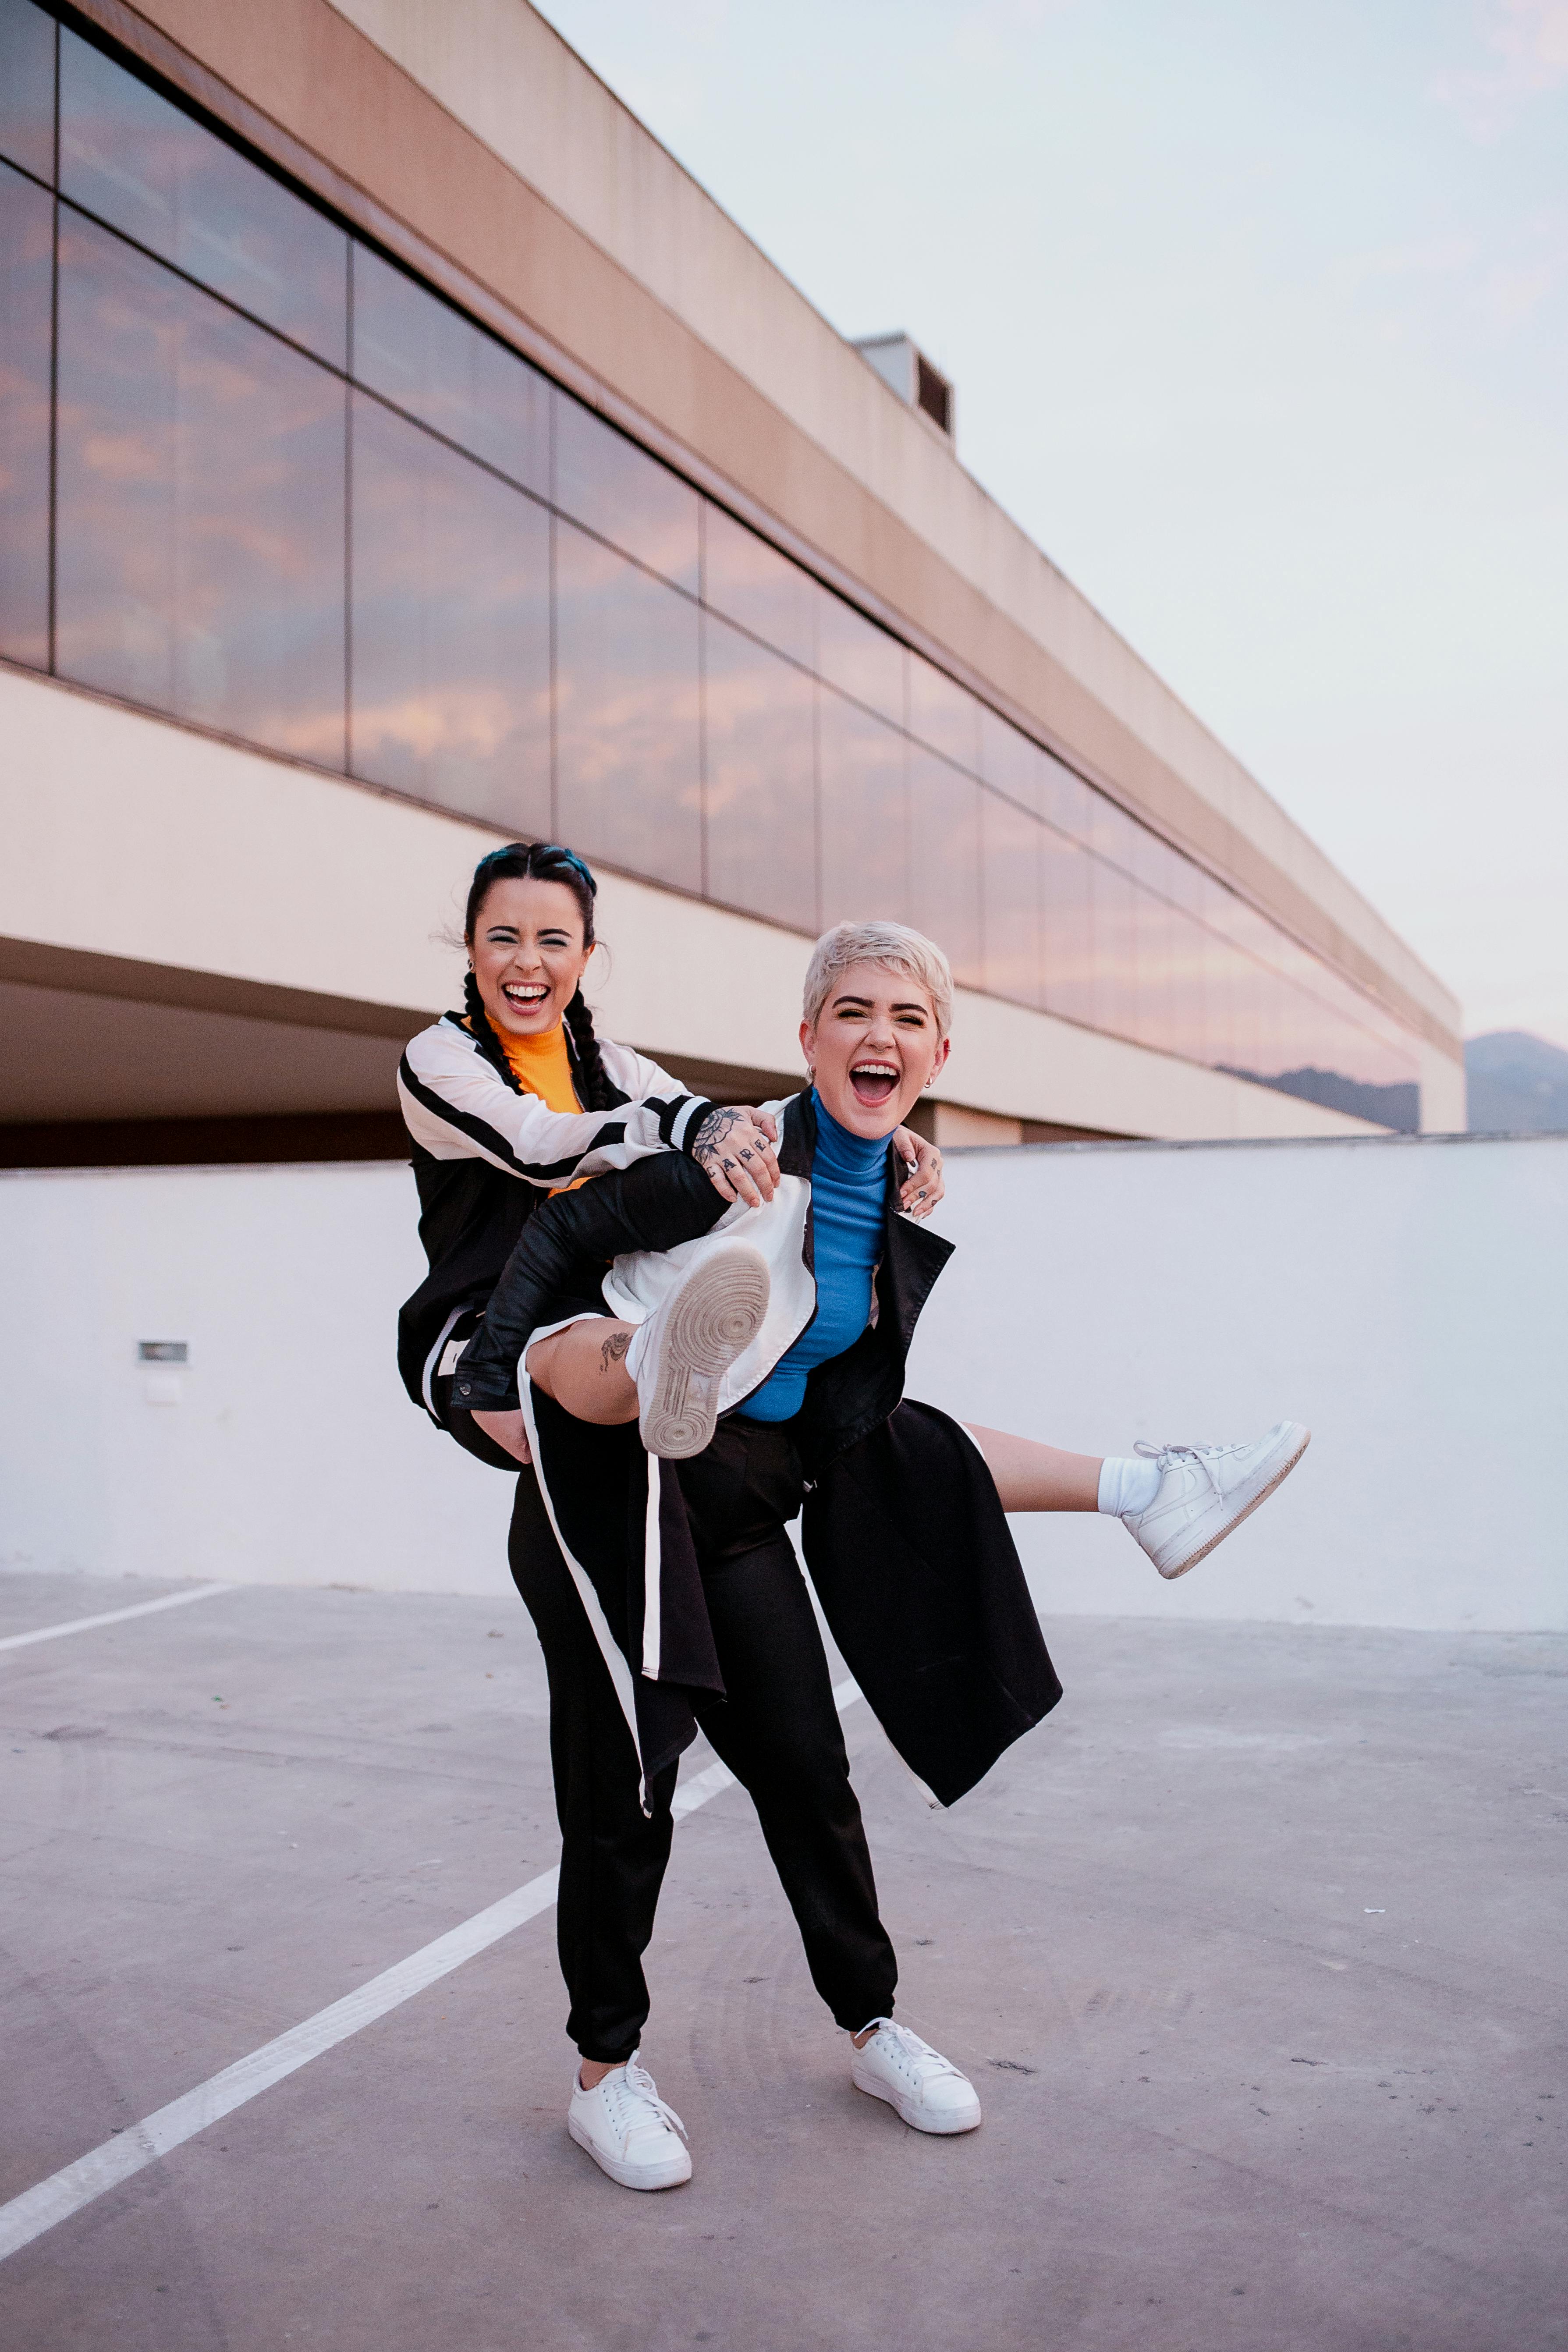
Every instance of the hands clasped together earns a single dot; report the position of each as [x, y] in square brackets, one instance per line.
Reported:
[736, 1148]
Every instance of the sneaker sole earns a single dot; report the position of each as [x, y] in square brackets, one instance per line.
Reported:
[712, 1320]
[917, 2118]
[1245, 1512]
[670, 2175]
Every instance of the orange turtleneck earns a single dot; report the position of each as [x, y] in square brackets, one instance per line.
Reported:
[543, 1067]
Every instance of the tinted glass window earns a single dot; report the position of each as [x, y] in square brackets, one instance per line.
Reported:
[1010, 762]
[1186, 1005]
[760, 779]
[1182, 881]
[28, 87]
[1066, 801]
[1115, 950]
[27, 245]
[865, 816]
[944, 715]
[753, 584]
[1248, 1023]
[1306, 1039]
[427, 358]
[1153, 1022]
[945, 863]
[860, 658]
[1066, 927]
[1113, 834]
[450, 636]
[1269, 994]
[200, 553]
[628, 497]
[150, 169]
[1010, 848]
[628, 746]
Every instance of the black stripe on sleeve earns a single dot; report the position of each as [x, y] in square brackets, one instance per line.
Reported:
[668, 1112]
[478, 1131]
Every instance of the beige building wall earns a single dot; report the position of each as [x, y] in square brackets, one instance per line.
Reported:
[261, 935]
[189, 927]
[467, 136]
[506, 74]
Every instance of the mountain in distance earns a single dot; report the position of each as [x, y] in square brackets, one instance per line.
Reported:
[1518, 1085]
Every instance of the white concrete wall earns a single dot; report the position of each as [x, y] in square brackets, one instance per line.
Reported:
[1408, 1300]
[292, 1455]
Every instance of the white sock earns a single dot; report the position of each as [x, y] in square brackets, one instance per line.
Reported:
[636, 1348]
[1128, 1481]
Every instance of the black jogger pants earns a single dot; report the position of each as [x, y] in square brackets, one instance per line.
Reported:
[777, 1729]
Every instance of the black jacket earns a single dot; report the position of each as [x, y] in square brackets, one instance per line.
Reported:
[485, 1158]
[903, 1531]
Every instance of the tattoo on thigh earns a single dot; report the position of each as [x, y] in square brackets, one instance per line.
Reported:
[614, 1347]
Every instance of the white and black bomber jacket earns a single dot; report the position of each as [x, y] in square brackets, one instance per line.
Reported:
[485, 1157]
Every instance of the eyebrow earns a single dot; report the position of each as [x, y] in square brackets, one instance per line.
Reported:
[843, 1004]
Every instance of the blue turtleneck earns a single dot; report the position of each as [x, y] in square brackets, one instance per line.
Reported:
[848, 1206]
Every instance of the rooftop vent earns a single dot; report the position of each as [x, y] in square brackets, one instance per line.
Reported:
[907, 371]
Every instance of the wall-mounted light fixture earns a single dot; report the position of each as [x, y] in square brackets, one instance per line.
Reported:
[163, 1378]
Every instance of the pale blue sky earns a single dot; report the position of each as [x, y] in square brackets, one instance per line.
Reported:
[1259, 318]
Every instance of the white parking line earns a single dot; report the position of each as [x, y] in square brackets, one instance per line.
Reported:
[116, 1616]
[66, 2192]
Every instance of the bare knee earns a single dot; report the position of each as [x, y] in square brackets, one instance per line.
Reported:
[584, 1368]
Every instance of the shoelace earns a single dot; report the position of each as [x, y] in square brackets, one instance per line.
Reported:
[910, 2046]
[1201, 1455]
[637, 2103]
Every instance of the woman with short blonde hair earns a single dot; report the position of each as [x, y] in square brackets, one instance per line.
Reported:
[739, 1366]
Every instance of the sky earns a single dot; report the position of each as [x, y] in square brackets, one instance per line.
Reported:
[1258, 319]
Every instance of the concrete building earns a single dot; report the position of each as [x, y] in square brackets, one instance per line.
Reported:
[401, 452]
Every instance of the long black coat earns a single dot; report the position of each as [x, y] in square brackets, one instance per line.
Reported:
[903, 1530]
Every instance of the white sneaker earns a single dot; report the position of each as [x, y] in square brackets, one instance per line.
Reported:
[1206, 1490]
[688, 1344]
[629, 2130]
[927, 2090]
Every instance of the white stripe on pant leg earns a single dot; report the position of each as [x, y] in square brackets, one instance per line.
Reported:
[104, 2167]
[116, 1616]
[616, 1665]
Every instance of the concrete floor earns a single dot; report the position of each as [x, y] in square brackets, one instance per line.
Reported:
[1255, 1952]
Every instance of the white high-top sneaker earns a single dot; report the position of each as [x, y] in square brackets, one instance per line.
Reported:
[926, 2089]
[1206, 1490]
[629, 2130]
[689, 1342]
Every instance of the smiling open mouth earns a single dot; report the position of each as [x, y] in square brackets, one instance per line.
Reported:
[525, 996]
[873, 1082]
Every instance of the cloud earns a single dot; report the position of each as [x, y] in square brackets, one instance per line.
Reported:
[1528, 40]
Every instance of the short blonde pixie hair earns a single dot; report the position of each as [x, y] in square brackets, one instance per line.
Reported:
[892, 947]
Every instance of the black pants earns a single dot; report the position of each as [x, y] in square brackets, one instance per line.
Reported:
[777, 1729]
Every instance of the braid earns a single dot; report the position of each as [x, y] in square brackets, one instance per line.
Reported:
[485, 1037]
[591, 1081]
[544, 861]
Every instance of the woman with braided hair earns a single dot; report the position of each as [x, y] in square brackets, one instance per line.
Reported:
[736, 1367]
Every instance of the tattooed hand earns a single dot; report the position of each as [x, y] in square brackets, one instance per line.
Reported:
[920, 1193]
[734, 1148]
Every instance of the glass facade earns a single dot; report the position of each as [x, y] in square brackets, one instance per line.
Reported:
[254, 473]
